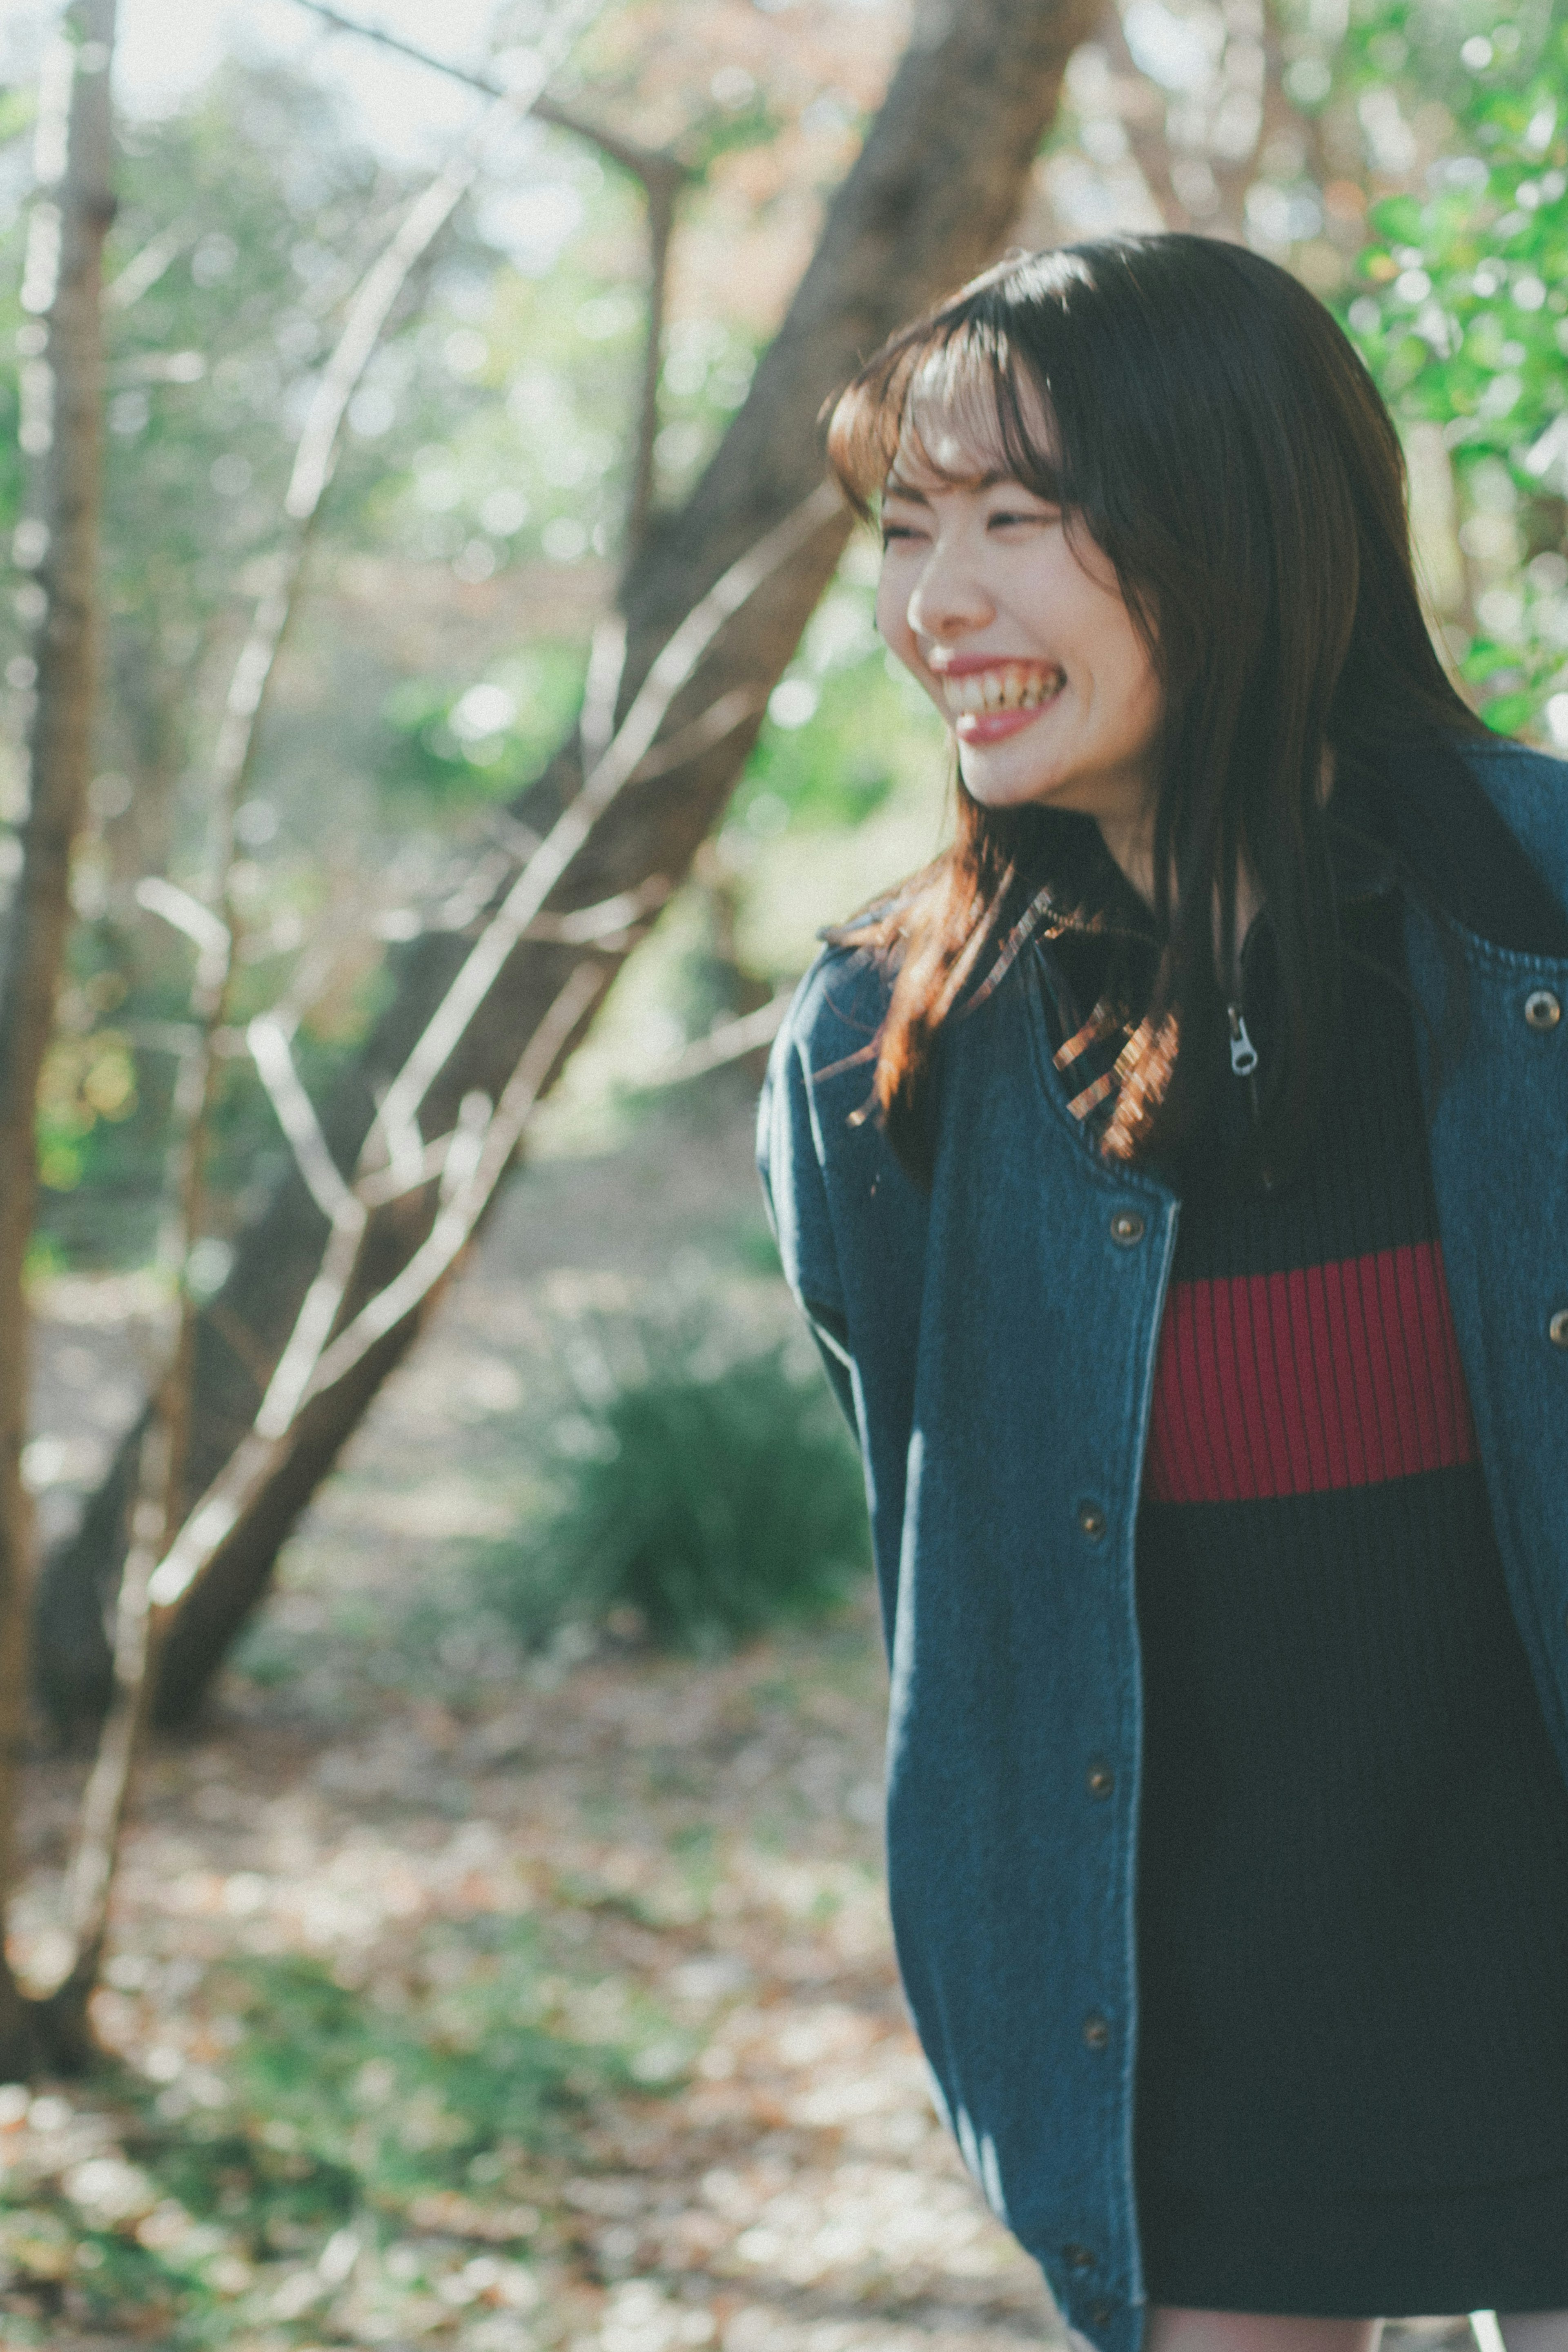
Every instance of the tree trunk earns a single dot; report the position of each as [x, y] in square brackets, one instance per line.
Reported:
[928, 202]
[63, 443]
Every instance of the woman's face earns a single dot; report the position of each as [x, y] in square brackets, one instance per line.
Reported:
[1020, 636]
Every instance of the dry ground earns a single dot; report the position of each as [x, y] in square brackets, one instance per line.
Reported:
[695, 1846]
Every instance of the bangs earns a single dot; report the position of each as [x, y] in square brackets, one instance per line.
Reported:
[955, 401]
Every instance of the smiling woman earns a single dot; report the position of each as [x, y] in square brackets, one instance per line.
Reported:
[1193, 1277]
[1190, 502]
[1019, 630]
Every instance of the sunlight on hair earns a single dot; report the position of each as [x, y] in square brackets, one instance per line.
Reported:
[952, 424]
[973, 408]
[946, 404]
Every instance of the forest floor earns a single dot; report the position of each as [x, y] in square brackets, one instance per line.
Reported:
[485, 2001]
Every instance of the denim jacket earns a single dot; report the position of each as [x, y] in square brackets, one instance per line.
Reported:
[994, 1340]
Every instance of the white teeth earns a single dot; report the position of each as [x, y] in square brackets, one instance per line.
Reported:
[1012, 686]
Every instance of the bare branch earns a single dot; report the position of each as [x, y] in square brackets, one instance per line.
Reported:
[90, 1876]
[678, 660]
[198, 922]
[710, 727]
[297, 1117]
[316, 454]
[143, 269]
[398, 1117]
[315, 458]
[477, 1157]
[661, 230]
[601, 688]
[323, 1302]
[663, 176]
[387, 1184]
[649, 164]
[261, 1448]
[469, 1194]
[728, 1042]
[611, 919]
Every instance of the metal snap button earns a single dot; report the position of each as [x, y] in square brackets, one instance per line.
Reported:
[1100, 1780]
[1101, 2314]
[1542, 1009]
[1556, 1331]
[1078, 2258]
[1092, 1518]
[1128, 1228]
[1096, 2031]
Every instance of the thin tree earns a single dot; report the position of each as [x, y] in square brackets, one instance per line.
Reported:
[929, 199]
[140, 1619]
[62, 440]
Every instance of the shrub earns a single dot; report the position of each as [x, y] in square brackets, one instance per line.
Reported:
[714, 1498]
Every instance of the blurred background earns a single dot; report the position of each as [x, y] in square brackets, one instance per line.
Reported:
[497, 1952]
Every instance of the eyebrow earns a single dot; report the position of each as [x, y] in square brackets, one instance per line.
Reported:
[896, 490]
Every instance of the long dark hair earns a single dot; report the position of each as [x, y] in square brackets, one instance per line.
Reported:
[1210, 427]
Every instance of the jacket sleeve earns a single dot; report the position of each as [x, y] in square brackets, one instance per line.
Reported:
[791, 1161]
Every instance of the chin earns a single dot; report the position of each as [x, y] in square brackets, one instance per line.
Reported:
[1003, 791]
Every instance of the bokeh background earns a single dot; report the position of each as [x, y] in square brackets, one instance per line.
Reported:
[498, 1956]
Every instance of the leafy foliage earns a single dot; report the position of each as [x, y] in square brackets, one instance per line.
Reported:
[844, 730]
[1465, 323]
[492, 736]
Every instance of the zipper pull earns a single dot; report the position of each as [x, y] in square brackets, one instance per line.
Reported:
[1243, 1052]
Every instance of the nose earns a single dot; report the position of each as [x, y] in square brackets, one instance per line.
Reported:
[949, 598]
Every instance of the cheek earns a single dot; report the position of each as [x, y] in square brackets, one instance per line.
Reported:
[1123, 665]
[1078, 580]
[894, 589]
[892, 612]
[1145, 695]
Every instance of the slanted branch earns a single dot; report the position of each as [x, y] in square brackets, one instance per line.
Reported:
[462, 1168]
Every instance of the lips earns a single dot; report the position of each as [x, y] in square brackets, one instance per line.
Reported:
[1000, 686]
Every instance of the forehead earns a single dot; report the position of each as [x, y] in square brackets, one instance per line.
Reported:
[924, 485]
[966, 423]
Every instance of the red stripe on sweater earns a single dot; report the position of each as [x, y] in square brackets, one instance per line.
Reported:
[1339, 1375]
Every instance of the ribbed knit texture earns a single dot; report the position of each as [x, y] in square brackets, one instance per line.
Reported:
[1308, 1378]
[1353, 1891]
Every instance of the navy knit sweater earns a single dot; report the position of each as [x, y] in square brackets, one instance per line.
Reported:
[1354, 1871]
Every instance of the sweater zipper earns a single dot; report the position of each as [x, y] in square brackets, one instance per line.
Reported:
[1243, 1052]
[1243, 1056]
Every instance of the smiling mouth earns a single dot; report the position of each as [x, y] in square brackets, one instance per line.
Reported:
[1012, 686]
